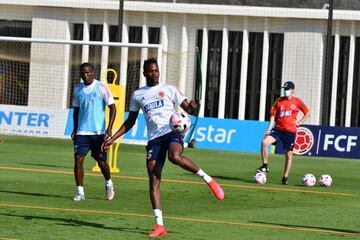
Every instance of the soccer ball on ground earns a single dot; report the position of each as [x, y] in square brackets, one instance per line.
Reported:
[308, 180]
[179, 122]
[325, 180]
[260, 178]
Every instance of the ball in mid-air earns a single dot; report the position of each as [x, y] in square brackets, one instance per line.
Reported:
[325, 180]
[179, 122]
[260, 178]
[308, 180]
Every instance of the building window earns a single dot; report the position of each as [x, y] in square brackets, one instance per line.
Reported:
[327, 87]
[355, 107]
[233, 75]
[76, 58]
[254, 76]
[274, 74]
[213, 74]
[134, 64]
[96, 34]
[154, 38]
[14, 63]
[342, 81]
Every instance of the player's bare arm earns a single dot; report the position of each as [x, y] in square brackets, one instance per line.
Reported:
[189, 107]
[271, 125]
[303, 119]
[125, 127]
[112, 115]
[76, 120]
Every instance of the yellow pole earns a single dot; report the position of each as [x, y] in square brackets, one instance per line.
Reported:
[118, 93]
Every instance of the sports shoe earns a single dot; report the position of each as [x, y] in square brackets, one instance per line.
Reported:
[110, 192]
[216, 189]
[284, 181]
[158, 231]
[79, 197]
[262, 170]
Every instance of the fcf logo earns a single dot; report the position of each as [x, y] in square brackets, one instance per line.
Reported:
[304, 141]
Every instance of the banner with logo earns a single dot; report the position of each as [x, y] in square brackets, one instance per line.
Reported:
[326, 141]
[31, 121]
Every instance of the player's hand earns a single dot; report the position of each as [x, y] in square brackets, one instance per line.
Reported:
[73, 135]
[193, 104]
[106, 145]
[266, 133]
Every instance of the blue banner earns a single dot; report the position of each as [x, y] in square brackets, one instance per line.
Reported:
[326, 142]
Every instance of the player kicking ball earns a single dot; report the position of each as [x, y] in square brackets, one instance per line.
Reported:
[157, 102]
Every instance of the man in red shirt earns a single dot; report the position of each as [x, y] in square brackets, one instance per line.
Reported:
[283, 113]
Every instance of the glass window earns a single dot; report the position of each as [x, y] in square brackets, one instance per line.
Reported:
[96, 34]
[274, 75]
[154, 38]
[213, 74]
[76, 55]
[233, 75]
[327, 86]
[355, 107]
[342, 81]
[254, 76]
[134, 65]
[14, 63]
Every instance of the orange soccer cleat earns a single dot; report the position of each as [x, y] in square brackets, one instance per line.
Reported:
[158, 231]
[216, 189]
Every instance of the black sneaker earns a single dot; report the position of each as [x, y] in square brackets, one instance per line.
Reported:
[262, 170]
[284, 181]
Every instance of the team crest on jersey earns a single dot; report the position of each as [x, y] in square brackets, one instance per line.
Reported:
[154, 105]
[161, 94]
[293, 106]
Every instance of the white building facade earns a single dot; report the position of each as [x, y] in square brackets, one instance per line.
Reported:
[246, 53]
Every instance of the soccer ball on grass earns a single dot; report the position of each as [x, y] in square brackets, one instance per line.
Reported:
[260, 178]
[308, 180]
[325, 180]
[179, 122]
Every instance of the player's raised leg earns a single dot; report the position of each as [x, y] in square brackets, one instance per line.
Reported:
[176, 157]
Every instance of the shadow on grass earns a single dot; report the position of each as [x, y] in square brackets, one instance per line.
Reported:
[310, 227]
[47, 165]
[42, 195]
[77, 223]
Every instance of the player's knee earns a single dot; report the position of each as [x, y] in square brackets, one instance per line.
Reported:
[175, 157]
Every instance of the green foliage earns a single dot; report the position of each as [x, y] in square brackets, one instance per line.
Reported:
[37, 186]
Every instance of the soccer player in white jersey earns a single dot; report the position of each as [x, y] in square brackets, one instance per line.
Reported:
[90, 99]
[157, 102]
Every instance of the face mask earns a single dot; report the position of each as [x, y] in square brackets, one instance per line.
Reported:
[287, 93]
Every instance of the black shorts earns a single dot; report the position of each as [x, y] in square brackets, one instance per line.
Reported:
[287, 138]
[158, 147]
[84, 143]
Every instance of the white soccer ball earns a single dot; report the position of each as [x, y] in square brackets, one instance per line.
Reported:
[325, 180]
[308, 180]
[260, 178]
[179, 122]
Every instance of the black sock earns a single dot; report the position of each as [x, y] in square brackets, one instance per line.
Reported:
[264, 165]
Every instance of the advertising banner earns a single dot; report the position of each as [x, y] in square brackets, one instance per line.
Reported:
[30, 121]
[326, 141]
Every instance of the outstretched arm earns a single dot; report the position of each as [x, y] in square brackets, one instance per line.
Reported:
[126, 126]
[189, 107]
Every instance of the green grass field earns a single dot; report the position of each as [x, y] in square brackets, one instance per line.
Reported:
[37, 186]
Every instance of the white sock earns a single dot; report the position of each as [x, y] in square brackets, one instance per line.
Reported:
[80, 190]
[158, 217]
[108, 182]
[204, 176]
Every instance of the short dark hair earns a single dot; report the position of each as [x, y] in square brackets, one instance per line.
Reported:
[86, 64]
[148, 62]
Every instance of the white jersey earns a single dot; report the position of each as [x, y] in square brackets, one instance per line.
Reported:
[158, 104]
